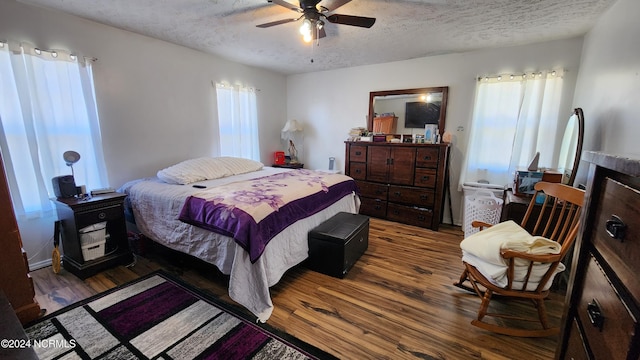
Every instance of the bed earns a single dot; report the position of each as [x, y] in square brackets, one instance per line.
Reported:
[182, 211]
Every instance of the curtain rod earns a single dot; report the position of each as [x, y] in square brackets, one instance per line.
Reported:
[54, 53]
[521, 76]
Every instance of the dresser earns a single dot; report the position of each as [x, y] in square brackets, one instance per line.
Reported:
[602, 308]
[399, 182]
[15, 281]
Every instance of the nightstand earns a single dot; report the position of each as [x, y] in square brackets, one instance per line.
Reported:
[289, 166]
[516, 206]
[76, 214]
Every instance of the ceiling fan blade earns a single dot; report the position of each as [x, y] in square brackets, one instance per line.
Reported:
[319, 34]
[274, 23]
[360, 21]
[286, 4]
[334, 4]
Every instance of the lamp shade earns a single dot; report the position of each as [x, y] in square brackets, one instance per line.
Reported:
[71, 157]
[292, 126]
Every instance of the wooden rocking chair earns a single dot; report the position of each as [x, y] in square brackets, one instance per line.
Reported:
[558, 220]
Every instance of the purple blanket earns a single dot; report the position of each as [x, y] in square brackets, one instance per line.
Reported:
[256, 210]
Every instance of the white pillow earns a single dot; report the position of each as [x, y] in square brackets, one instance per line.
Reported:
[193, 170]
[240, 165]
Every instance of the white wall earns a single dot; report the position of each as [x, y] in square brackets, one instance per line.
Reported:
[156, 100]
[332, 102]
[608, 85]
[157, 105]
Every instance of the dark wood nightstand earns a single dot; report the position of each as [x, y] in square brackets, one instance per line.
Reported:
[515, 207]
[76, 214]
[289, 166]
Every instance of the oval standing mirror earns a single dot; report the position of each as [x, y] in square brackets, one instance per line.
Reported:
[571, 147]
[405, 110]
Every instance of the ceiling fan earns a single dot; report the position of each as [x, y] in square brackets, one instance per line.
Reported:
[314, 16]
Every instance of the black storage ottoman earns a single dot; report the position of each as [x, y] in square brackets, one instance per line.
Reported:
[336, 244]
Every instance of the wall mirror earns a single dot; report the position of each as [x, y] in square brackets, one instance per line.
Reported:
[571, 147]
[411, 109]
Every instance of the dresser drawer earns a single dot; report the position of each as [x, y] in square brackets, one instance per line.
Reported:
[608, 325]
[620, 251]
[425, 178]
[411, 196]
[409, 215]
[91, 217]
[372, 190]
[575, 344]
[373, 207]
[358, 153]
[427, 157]
[358, 171]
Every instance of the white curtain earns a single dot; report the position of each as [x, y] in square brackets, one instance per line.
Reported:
[47, 106]
[512, 120]
[238, 121]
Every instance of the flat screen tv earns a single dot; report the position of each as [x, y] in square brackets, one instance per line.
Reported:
[418, 114]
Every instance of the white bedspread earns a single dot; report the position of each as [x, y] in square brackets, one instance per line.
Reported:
[482, 250]
[156, 206]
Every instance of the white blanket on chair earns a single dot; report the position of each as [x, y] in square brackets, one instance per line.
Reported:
[482, 250]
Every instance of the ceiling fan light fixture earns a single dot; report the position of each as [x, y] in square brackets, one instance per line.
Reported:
[320, 24]
[305, 28]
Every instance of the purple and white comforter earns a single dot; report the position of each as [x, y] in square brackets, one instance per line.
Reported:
[255, 210]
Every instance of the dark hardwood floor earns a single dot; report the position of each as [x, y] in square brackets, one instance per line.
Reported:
[397, 302]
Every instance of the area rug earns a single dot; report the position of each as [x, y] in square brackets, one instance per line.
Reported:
[160, 317]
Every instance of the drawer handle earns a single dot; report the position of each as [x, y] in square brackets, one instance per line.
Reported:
[423, 197]
[616, 228]
[358, 171]
[595, 315]
[102, 216]
[398, 193]
[425, 178]
[378, 207]
[421, 217]
[427, 158]
[358, 152]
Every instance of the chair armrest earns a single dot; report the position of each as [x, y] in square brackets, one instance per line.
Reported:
[480, 224]
[542, 258]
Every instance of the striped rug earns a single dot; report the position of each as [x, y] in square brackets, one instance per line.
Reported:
[159, 317]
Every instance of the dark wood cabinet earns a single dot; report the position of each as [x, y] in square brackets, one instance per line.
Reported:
[399, 182]
[391, 164]
[76, 214]
[600, 320]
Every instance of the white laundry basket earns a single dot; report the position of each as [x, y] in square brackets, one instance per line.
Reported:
[482, 205]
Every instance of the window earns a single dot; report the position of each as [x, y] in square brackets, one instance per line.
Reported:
[512, 120]
[238, 122]
[47, 106]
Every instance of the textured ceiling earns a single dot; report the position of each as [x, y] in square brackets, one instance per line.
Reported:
[404, 29]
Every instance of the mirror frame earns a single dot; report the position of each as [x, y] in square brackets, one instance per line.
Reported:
[443, 107]
[576, 161]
